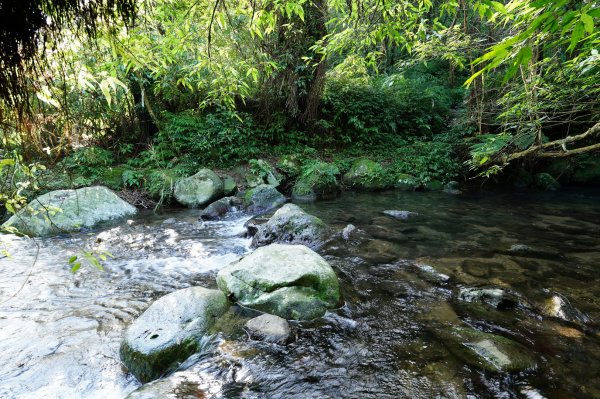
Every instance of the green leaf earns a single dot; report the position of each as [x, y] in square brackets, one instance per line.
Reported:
[588, 22]
[72, 259]
[576, 36]
[499, 7]
[75, 267]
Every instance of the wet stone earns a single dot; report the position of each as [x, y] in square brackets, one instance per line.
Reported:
[170, 330]
[400, 215]
[269, 328]
[486, 351]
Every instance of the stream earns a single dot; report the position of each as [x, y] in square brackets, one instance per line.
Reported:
[60, 333]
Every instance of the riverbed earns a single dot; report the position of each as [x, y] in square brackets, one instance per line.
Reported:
[60, 331]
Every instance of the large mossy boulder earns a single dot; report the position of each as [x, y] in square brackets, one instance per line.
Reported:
[263, 199]
[318, 180]
[199, 189]
[170, 330]
[365, 175]
[290, 281]
[486, 351]
[65, 211]
[291, 225]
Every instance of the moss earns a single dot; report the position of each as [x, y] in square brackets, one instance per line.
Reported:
[147, 367]
[366, 174]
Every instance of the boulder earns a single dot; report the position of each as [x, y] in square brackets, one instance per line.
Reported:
[317, 181]
[452, 188]
[365, 175]
[263, 198]
[170, 330]
[544, 181]
[290, 281]
[261, 172]
[291, 225]
[229, 185]
[199, 189]
[221, 207]
[269, 328]
[65, 211]
[303, 192]
[406, 182]
[485, 351]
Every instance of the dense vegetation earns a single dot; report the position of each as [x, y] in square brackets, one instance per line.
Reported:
[438, 90]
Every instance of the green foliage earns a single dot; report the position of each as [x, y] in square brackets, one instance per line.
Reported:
[219, 138]
[321, 177]
[376, 111]
[426, 161]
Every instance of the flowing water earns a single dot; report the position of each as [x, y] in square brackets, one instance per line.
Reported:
[60, 333]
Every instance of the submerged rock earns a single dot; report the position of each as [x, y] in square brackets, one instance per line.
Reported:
[365, 175]
[263, 198]
[269, 328]
[429, 273]
[486, 351]
[169, 331]
[526, 251]
[291, 225]
[290, 281]
[65, 211]
[400, 215]
[221, 207]
[183, 384]
[496, 298]
[559, 307]
[199, 189]
[347, 231]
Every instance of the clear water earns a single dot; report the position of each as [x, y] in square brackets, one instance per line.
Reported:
[59, 336]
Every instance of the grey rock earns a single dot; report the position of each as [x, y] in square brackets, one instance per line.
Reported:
[493, 297]
[269, 328]
[290, 281]
[170, 330]
[291, 225]
[428, 273]
[199, 189]
[400, 215]
[263, 198]
[221, 208]
[65, 211]
[486, 351]
[347, 231]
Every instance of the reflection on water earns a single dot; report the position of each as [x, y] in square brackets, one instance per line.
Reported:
[400, 277]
